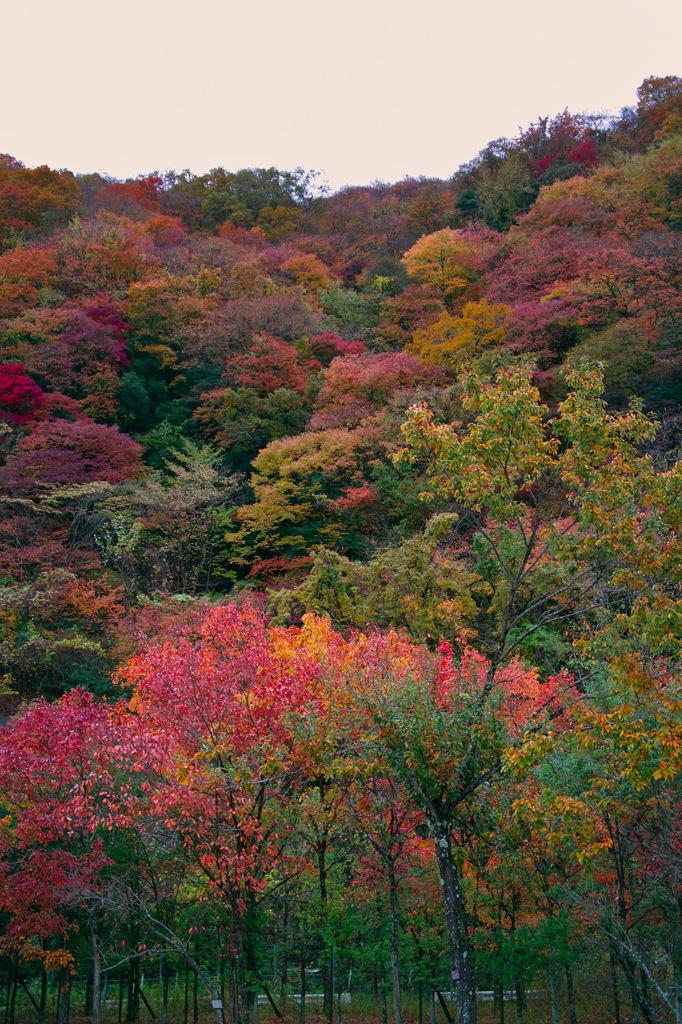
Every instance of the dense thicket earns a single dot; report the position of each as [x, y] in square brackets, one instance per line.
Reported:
[339, 578]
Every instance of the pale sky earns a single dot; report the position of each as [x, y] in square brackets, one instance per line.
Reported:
[359, 90]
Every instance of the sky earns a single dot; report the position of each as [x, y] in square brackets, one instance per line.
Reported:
[362, 90]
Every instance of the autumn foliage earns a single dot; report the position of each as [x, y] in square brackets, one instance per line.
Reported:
[340, 581]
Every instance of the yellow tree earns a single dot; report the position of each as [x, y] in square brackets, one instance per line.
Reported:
[450, 261]
[456, 340]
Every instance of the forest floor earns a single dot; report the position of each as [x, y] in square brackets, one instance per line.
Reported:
[594, 1005]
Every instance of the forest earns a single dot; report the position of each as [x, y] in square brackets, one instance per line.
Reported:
[340, 588]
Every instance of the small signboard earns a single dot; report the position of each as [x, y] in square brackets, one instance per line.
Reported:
[217, 1004]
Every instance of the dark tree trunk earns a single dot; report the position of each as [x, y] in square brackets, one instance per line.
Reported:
[395, 953]
[65, 1002]
[614, 987]
[302, 1015]
[519, 1002]
[455, 920]
[554, 988]
[96, 990]
[325, 971]
[43, 995]
[13, 991]
[571, 996]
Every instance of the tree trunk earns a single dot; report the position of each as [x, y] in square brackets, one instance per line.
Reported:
[59, 998]
[234, 1002]
[284, 976]
[519, 1002]
[325, 970]
[554, 988]
[13, 991]
[133, 991]
[614, 986]
[302, 1015]
[395, 960]
[571, 996]
[241, 993]
[96, 972]
[43, 996]
[455, 920]
[65, 1003]
[8, 992]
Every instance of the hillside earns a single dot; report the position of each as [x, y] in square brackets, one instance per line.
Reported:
[340, 576]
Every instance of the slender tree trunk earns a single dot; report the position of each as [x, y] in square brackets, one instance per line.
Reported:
[43, 995]
[234, 1002]
[455, 920]
[96, 971]
[395, 958]
[59, 997]
[501, 1002]
[133, 990]
[554, 988]
[164, 1001]
[284, 976]
[519, 1001]
[339, 987]
[195, 1000]
[302, 1014]
[571, 996]
[242, 994]
[614, 987]
[8, 991]
[384, 1007]
[13, 996]
[325, 972]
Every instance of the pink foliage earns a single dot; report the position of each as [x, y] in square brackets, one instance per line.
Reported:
[19, 395]
[356, 386]
[57, 452]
